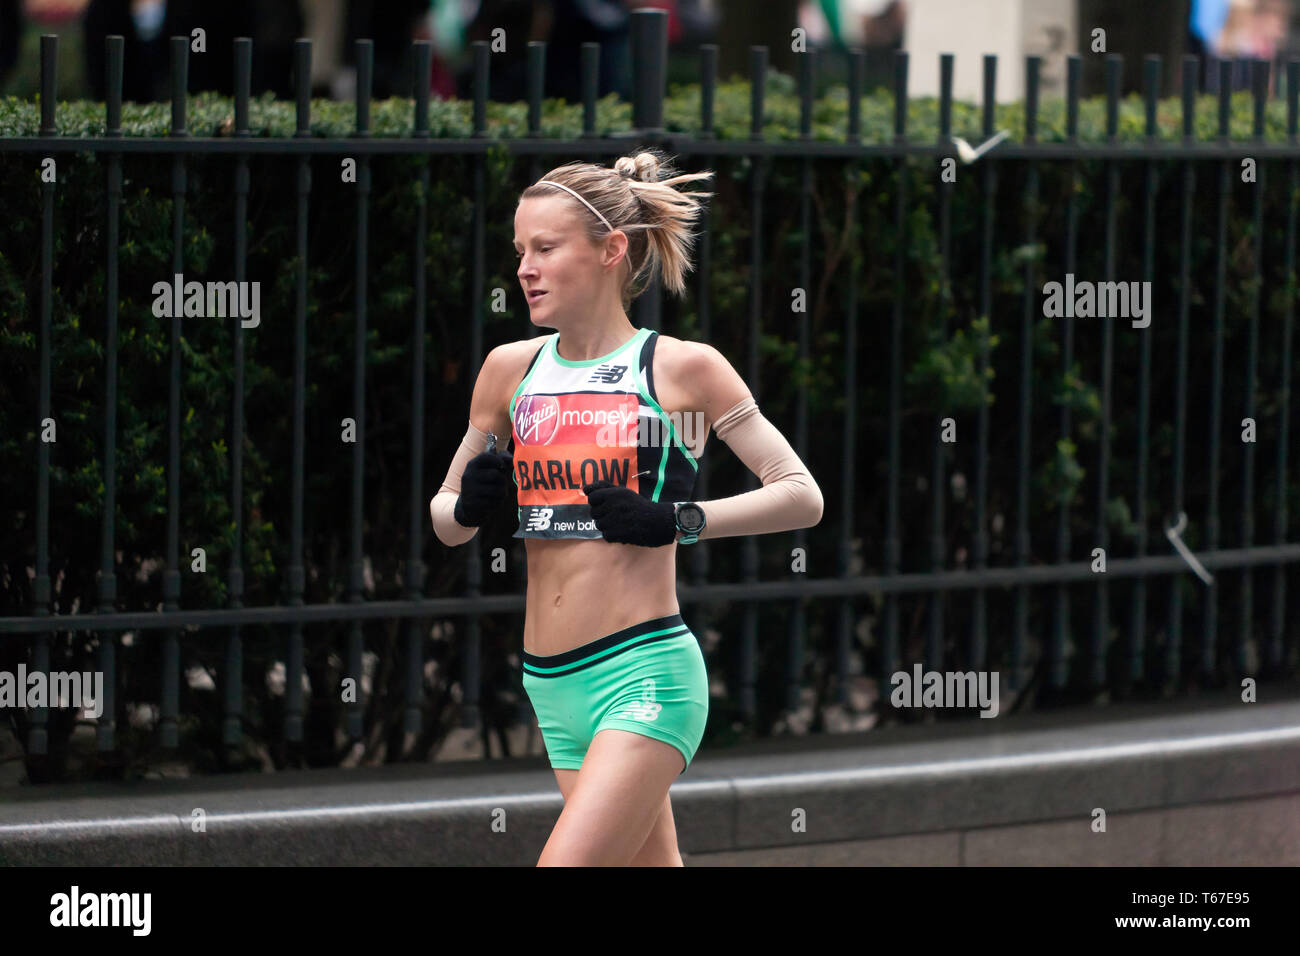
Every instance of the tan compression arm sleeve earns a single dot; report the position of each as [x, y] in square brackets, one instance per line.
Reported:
[789, 497]
[450, 531]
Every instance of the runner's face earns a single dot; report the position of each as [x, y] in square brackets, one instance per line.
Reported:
[559, 266]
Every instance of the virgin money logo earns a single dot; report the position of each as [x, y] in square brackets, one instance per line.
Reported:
[536, 419]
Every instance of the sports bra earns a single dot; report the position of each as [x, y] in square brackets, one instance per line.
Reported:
[573, 423]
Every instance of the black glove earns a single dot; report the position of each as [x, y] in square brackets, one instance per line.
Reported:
[625, 517]
[482, 486]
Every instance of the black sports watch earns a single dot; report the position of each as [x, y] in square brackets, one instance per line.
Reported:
[690, 521]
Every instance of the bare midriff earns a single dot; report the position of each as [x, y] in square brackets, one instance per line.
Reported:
[579, 590]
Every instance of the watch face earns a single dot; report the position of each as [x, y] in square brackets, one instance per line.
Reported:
[690, 517]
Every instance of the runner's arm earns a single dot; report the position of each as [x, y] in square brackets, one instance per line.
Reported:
[790, 497]
[486, 413]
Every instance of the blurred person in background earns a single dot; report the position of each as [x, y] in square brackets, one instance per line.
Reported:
[1238, 30]
[392, 25]
[147, 26]
[565, 25]
[445, 27]
[334, 26]
[506, 75]
[144, 58]
[323, 24]
[1207, 19]
[1255, 28]
[875, 26]
[607, 22]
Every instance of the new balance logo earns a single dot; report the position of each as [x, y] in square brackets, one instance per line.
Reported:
[643, 710]
[608, 374]
[539, 520]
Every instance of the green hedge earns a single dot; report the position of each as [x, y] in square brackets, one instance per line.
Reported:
[210, 115]
[943, 337]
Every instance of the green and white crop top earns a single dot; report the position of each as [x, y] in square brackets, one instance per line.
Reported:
[577, 422]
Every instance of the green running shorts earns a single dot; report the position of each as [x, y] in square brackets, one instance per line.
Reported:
[648, 678]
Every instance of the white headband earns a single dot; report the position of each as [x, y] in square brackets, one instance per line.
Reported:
[551, 182]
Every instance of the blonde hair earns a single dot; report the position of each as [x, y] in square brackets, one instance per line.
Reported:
[638, 196]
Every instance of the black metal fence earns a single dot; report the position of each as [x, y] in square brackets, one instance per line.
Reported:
[1272, 553]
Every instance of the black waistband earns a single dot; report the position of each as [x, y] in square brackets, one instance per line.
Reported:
[655, 629]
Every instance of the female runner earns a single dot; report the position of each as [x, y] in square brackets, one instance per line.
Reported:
[607, 423]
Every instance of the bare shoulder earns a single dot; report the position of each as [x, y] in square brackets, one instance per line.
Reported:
[503, 368]
[511, 358]
[703, 376]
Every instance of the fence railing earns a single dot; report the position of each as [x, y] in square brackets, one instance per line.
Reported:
[893, 583]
